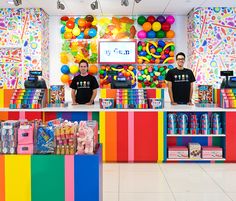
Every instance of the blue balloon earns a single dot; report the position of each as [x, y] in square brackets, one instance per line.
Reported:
[63, 29]
[65, 69]
[81, 36]
[92, 32]
[151, 34]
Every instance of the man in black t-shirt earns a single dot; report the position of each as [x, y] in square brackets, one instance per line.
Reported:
[84, 86]
[180, 82]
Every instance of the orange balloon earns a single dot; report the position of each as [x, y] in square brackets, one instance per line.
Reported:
[171, 53]
[170, 34]
[147, 26]
[93, 69]
[72, 19]
[81, 22]
[65, 78]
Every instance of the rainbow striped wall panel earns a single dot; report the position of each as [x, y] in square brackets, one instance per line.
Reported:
[230, 137]
[132, 136]
[51, 177]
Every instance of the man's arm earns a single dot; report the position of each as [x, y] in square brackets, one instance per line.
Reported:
[169, 84]
[191, 94]
[73, 97]
[93, 97]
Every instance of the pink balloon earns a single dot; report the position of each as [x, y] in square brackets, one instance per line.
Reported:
[142, 34]
[170, 19]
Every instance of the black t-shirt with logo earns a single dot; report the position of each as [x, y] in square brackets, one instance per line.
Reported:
[181, 82]
[84, 86]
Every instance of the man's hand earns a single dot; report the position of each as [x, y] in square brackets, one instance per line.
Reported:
[75, 103]
[190, 103]
[89, 103]
[174, 103]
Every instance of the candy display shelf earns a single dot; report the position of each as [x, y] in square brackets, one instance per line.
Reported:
[200, 159]
[196, 135]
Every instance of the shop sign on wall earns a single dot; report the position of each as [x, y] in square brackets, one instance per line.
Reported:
[117, 52]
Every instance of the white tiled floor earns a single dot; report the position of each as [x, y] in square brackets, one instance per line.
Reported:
[169, 182]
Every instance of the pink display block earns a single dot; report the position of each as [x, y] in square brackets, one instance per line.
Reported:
[25, 149]
[212, 152]
[175, 152]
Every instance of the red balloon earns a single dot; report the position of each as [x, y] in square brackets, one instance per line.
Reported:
[70, 24]
[64, 18]
[165, 26]
[87, 24]
[151, 19]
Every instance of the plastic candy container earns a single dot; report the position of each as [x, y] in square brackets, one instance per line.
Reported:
[182, 121]
[172, 124]
[194, 127]
[8, 137]
[205, 124]
[216, 127]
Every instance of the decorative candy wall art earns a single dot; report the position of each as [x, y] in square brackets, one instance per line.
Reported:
[117, 28]
[156, 26]
[211, 36]
[158, 52]
[109, 72]
[23, 45]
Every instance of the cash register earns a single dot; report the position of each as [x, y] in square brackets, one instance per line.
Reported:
[229, 81]
[121, 83]
[35, 80]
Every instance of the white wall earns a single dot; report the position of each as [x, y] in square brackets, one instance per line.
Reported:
[55, 44]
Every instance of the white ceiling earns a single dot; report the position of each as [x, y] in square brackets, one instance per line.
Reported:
[113, 7]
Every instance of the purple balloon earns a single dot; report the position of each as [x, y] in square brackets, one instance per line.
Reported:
[161, 19]
[142, 34]
[170, 19]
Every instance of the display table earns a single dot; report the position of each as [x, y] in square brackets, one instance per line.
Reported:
[51, 177]
[137, 135]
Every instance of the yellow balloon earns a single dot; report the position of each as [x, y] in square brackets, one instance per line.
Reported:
[156, 26]
[74, 69]
[76, 31]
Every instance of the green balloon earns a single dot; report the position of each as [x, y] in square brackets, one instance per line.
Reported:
[161, 34]
[172, 47]
[141, 20]
[148, 56]
[140, 78]
[140, 48]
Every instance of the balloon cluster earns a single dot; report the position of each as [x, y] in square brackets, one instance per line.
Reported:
[117, 28]
[158, 52]
[107, 73]
[78, 28]
[156, 27]
[152, 76]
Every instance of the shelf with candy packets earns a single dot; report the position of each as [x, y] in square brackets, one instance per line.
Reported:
[28, 99]
[55, 137]
[228, 98]
[131, 99]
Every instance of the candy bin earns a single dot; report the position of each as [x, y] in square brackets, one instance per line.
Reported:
[172, 128]
[216, 124]
[194, 129]
[182, 121]
[205, 124]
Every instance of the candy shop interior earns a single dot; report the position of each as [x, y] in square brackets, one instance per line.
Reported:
[67, 129]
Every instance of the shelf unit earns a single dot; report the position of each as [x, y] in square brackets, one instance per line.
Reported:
[195, 135]
[190, 159]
